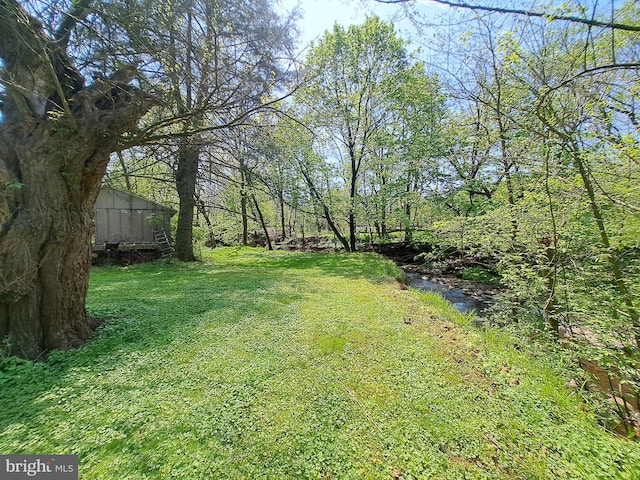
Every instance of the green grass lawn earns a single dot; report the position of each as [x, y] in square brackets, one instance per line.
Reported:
[284, 365]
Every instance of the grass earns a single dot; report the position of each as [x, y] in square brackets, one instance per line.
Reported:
[286, 365]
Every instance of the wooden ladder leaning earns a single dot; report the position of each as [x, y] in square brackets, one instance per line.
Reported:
[166, 249]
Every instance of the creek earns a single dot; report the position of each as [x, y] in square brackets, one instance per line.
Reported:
[462, 301]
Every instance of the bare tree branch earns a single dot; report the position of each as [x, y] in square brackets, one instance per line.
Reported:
[529, 13]
[77, 14]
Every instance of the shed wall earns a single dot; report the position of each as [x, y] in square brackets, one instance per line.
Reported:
[124, 218]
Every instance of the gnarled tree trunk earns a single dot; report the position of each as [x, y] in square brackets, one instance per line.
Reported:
[55, 141]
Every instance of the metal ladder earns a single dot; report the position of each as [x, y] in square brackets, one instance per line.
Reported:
[163, 241]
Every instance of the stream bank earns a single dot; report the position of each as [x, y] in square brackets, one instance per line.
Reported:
[443, 277]
[622, 402]
[463, 299]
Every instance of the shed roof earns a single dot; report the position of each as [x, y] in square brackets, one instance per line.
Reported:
[156, 205]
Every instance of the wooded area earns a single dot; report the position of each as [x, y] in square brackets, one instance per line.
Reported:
[512, 135]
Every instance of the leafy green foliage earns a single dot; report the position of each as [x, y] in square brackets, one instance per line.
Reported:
[289, 365]
[375, 114]
[479, 274]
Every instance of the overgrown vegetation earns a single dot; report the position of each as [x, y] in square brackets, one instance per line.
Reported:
[518, 142]
[479, 274]
[257, 364]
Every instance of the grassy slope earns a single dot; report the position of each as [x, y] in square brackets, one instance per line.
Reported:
[286, 365]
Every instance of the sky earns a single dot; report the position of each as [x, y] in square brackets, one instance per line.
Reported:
[320, 15]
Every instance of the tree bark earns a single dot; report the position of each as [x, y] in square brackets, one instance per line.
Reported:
[55, 141]
[243, 207]
[282, 217]
[45, 241]
[352, 200]
[262, 222]
[186, 176]
[45, 249]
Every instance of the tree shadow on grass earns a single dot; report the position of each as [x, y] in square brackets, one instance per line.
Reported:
[148, 310]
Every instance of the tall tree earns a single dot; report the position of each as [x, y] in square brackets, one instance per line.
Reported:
[206, 65]
[56, 137]
[353, 73]
[317, 176]
[216, 63]
[562, 98]
[412, 141]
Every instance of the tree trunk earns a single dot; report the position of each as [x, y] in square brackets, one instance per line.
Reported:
[352, 231]
[243, 208]
[282, 217]
[352, 207]
[45, 249]
[186, 175]
[376, 225]
[202, 208]
[262, 222]
[383, 224]
[329, 219]
[46, 219]
[411, 186]
[551, 252]
[325, 209]
[609, 251]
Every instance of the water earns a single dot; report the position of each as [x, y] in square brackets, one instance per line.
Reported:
[460, 300]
